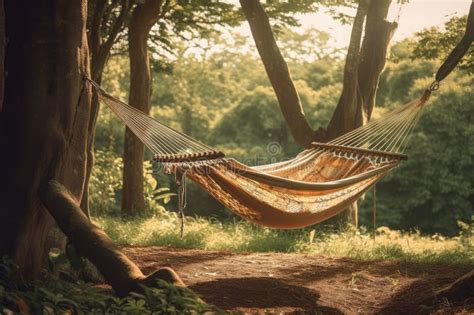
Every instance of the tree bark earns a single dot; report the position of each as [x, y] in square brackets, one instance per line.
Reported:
[118, 270]
[278, 73]
[43, 124]
[344, 118]
[99, 53]
[364, 64]
[373, 56]
[2, 53]
[144, 16]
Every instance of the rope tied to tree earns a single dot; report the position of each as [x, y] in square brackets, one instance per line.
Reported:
[457, 53]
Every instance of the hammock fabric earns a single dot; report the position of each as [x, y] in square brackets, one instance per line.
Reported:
[315, 185]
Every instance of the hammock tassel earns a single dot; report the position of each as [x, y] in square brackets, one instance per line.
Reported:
[180, 178]
[374, 211]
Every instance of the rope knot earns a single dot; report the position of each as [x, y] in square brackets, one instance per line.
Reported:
[434, 86]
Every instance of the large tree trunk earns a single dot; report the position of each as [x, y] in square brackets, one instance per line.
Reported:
[364, 64]
[144, 16]
[373, 55]
[2, 53]
[44, 120]
[99, 52]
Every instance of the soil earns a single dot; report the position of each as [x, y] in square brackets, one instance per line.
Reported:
[281, 283]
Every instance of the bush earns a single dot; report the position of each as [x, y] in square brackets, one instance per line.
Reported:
[52, 295]
[106, 183]
[433, 189]
[106, 186]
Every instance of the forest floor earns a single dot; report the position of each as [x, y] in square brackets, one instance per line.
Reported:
[268, 283]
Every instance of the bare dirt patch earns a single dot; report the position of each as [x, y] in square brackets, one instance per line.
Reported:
[261, 283]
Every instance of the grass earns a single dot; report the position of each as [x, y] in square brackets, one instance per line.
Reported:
[163, 230]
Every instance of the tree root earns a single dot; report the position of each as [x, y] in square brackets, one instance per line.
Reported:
[118, 270]
[461, 289]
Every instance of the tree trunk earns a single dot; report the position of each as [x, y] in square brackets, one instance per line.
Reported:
[144, 16]
[364, 64]
[345, 116]
[44, 120]
[373, 55]
[2, 53]
[278, 73]
[99, 53]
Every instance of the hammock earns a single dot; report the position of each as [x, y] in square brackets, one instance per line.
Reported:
[317, 184]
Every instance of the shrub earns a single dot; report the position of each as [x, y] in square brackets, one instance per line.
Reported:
[52, 295]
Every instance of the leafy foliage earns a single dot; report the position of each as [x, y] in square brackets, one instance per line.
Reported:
[106, 185]
[435, 43]
[399, 77]
[436, 182]
[52, 295]
[106, 182]
[310, 44]
[237, 127]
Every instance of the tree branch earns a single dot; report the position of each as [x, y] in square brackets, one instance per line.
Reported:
[144, 16]
[104, 48]
[278, 73]
[100, 52]
[94, 26]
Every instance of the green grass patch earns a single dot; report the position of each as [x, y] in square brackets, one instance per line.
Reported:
[163, 230]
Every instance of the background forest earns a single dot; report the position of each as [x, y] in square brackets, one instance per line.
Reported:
[215, 88]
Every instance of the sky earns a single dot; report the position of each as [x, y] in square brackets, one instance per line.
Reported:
[414, 16]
